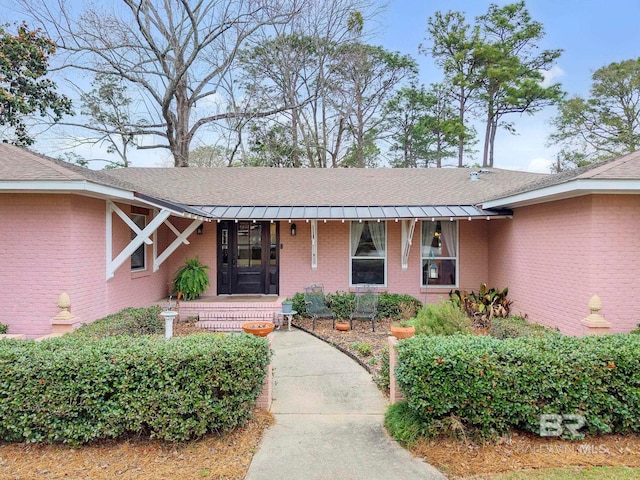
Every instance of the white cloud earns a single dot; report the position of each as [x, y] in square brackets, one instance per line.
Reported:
[539, 165]
[551, 75]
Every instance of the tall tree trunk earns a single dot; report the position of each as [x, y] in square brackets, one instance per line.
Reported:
[487, 137]
[494, 129]
[461, 135]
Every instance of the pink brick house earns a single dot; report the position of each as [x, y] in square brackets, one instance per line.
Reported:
[113, 239]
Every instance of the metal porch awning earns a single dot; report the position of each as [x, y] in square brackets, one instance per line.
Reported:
[352, 212]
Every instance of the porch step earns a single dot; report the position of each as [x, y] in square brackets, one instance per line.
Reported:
[228, 315]
[231, 321]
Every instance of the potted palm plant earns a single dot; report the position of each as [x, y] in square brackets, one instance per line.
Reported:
[191, 279]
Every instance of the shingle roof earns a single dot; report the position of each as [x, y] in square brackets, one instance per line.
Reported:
[20, 164]
[406, 192]
[626, 167]
[327, 187]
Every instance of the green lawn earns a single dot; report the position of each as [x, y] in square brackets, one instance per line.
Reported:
[574, 473]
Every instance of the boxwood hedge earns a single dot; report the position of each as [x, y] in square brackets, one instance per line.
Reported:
[343, 303]
[494, 385]
[77, 389]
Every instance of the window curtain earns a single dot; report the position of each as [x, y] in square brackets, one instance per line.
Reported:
[356, 233]
[428, 230]
[376, 229]
[449, 240]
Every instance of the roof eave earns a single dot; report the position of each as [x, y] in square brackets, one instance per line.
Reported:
[562, 191]
[350, 212]
[65, 186]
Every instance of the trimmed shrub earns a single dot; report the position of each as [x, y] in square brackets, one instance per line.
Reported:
[130, 321]
[389, 304]
[382, 378]
[514, 327]
[444, 318]
[404, 424]
[343, 303]
[3, 328]
[493, 385]
[78, 389]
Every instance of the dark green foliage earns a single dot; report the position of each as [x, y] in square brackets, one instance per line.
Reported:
[491, 385]
[3, 328]
[342, 304]
[363, 349]
[484, 305]
[191, 279]
[445, 318]
[389, 304]
[25, 92]
[382, 379]
[404, 424]
[298, 304]
[514, 327]
[77, 389]
[130, 321]
[636, 331]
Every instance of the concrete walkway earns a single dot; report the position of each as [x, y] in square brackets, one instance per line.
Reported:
[329, 417]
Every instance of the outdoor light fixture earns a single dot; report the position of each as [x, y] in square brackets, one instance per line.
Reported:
[200, 229]
[293, 229]
[433, 271]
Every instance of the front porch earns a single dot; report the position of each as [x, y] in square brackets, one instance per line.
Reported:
[227, 313]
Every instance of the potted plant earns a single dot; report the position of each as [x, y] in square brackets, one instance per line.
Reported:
[342, 326]
[258, 328]
[191, 279]
[403, 329]
[287, 306]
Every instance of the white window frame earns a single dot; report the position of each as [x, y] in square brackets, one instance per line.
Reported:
[352, 256]
[456, 258]
[143, 246]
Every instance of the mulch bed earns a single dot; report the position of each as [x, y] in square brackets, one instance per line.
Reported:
[213, 457]
[361, 333]
[523, 451]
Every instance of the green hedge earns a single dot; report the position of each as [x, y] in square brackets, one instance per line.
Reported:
[494, 385]
[342, 304]
[514, 327]
[79, 389]
[130, 321]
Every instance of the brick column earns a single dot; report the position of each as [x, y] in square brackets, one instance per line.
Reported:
[266, 397]
[395, 395]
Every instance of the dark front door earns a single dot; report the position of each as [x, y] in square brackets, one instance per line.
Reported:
[248, 257]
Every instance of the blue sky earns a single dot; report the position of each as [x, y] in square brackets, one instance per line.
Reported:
[592, 34]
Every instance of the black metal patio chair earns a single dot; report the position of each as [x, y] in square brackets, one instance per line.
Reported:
[366, 305]
[316, 303]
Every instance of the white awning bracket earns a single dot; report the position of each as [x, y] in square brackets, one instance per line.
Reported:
[314, 244]
[181, 238]
[142, 236]
[408, 227]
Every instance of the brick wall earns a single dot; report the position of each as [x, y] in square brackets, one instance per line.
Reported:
[333, 259]
[555, 256]
[56, 243]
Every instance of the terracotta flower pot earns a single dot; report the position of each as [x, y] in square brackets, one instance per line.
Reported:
[259, 329]
[402, 332]
[343, 326]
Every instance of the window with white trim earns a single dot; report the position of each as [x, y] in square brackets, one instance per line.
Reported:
[368, 253]
[439, 253]
[139, 257]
